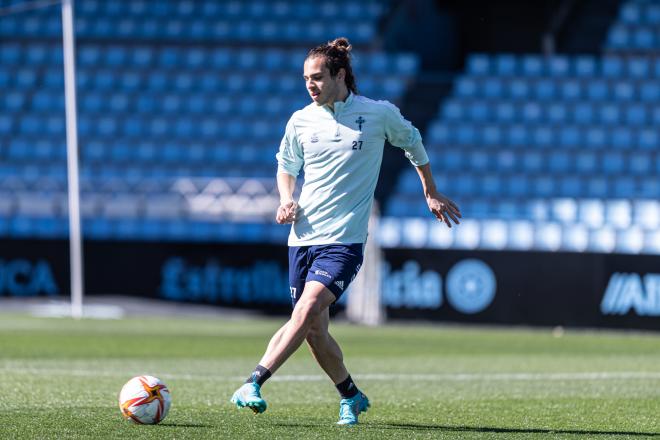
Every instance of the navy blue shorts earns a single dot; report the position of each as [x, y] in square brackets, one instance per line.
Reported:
[333, 265]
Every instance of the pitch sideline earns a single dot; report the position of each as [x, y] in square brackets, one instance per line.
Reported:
[445, 377]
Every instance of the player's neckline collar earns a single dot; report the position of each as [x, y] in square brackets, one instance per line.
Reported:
[340, 105]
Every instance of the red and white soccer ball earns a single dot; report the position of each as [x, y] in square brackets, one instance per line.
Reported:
[144, 400]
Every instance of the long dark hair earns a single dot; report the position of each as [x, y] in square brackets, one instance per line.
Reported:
[337, 54]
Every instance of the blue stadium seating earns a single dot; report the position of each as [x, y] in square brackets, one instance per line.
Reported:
[521, 143]
[577, 127]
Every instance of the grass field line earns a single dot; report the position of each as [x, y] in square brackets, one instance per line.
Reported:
[441, 377]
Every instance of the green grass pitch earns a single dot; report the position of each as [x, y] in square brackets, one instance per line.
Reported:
[60, 379]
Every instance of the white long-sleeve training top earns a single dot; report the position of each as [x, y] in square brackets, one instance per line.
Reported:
[340, 153]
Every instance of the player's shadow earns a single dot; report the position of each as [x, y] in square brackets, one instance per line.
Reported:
[186, 425]
[488, 429]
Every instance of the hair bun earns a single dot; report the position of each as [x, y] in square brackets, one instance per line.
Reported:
[341, 43]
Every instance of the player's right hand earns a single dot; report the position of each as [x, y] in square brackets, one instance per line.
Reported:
[286, 213]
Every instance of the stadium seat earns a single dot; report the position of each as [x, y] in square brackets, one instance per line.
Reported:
[559, 162]
[545, 89]
[493, 88]
[652, 14]
[649, 91]
[558, 66]
[647, 139]
[613, 163]
[638, 68]
[521, 235]
[591, 213]
[37, 204]
[557, 112]
[602, 240]
[465, 134]
[518, 186]
[571, 186]
[624, 186]
[452, 110]
[644, 38]
[622, 138]
[531, 66]
[598, 90]
[629, 240]
[609, 114]
[491, 135]
[575, 238]
[585, 67]
[163, 206]
[506, 65]
[548, 236]
[543, 186]
[595, 137]
[479, 111]
[585, 163]
[646, 214]
[598, 187]
[479, 65]
[505, 112]
[630, 13]
[583, 113]
[494, 235]
[121, 206]
[623, 91]
[618, 213]
[564, 210]
[650, 187]
[531, 112]
[14, 101]
[519, 88]
[611, 67]
[618, 37]
[466, 87]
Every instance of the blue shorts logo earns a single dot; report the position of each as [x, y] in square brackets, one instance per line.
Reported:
[323, 273]
[471, 286]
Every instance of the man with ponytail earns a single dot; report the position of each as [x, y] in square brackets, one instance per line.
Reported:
[338, 141]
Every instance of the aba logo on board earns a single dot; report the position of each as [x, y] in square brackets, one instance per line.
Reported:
[628, 292]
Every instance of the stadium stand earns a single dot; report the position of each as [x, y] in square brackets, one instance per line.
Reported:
[182, 105]
[161, 102]
[636, 29]
[548, 153]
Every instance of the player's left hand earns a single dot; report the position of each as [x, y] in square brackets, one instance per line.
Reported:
[444, 209]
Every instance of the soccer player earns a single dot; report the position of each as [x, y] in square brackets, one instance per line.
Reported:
[338, 141]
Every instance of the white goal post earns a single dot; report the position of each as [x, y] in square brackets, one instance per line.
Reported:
[75, 233]
[364, 305]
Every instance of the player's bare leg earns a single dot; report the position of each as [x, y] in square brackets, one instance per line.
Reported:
[277, 337]
[325, 349]
[328, 354]
[315, 299]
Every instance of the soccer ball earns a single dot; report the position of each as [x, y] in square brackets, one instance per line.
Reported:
[144, 400]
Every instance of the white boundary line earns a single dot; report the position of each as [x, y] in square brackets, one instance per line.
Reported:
[448, 377]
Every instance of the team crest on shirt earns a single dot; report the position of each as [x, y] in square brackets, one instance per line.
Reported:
[359, 121]
[314, 138]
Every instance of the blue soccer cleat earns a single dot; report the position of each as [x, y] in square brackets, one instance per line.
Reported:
[349, 409]
[249, 396]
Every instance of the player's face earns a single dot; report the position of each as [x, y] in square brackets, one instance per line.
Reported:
[322, 88]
